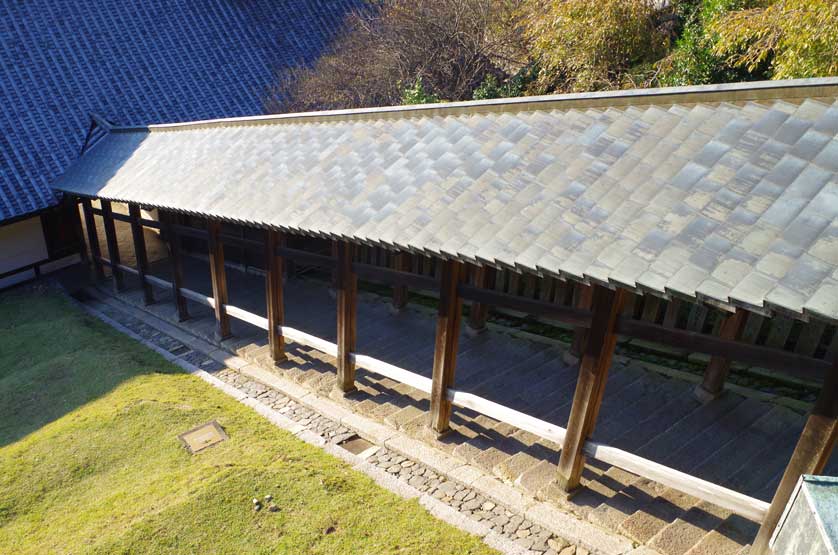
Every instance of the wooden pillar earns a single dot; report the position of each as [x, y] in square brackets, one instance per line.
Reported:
[113, 246]
[445, 346]
[347, 298]
[335, 247]
[273, 295]
[809, 457]
[582, 296]
[590, 387]
[77, 228]
[219, 280]
[718, 368]
[651, 308]
[176, 263]
[93, 239]
[479, 312]
[670, 318]
[401, 262]
[140, 252]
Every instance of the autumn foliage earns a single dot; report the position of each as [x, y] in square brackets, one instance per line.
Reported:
[418, 51]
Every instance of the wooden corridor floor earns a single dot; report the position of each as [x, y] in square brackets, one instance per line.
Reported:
[739, 442]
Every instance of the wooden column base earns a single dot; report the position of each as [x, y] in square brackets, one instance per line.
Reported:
[718, 368]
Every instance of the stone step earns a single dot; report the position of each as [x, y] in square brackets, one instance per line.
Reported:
[646, 430]
[695, 422]
[687, 531]
[399, 418]
[529, 378]
[706, 444]
[666, 506]
[760, 474]
[512, 467]
[646, 396]
[522, 371]
[733, 456]
[620, 377]
[491, 357]
[619, 499]
[731, 537]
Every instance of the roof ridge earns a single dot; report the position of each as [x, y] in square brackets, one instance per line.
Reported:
[726, 92]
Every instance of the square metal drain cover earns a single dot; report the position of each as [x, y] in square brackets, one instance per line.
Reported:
[355, 445]
[206, 435]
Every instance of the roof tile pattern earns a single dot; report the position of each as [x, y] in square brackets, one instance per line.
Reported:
[731, 203]
[136, 61]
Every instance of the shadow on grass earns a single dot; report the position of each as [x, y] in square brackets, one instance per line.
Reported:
[54, 358]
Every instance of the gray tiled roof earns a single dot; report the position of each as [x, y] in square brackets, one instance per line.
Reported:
[136, 61]
[728, 194]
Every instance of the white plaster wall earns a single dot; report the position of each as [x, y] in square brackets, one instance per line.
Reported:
[21, 243]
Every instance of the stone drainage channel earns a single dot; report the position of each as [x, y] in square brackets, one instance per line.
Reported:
[454, 502]
[525, 535]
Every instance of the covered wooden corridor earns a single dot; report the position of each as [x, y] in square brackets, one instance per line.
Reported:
[721, 195]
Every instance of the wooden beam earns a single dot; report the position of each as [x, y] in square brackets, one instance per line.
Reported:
[113, 246]
[140, 252]
[305, 257]
[809, 457]
[176, 263]
[552, 311]
[346, 283]
[583, 294]
[389, 276]
[478, 311]
[93, 239]
[126, 218]
[719, 367]
[273, 294]
[219, 280]
[192, 232]
[445, 347]
[590, 387]
[401, 263]
[790, 363]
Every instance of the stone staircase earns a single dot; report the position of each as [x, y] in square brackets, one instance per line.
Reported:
[541, 376]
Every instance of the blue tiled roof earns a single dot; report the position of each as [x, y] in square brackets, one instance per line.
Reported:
[135, 61]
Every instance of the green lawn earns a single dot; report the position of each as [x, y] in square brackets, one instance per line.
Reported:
[90, 461]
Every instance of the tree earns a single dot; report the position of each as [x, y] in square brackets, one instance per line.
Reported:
[693, 61]
[796, 38]
[416, 94]
[447, 46]
[516, 85]
[586, 45]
